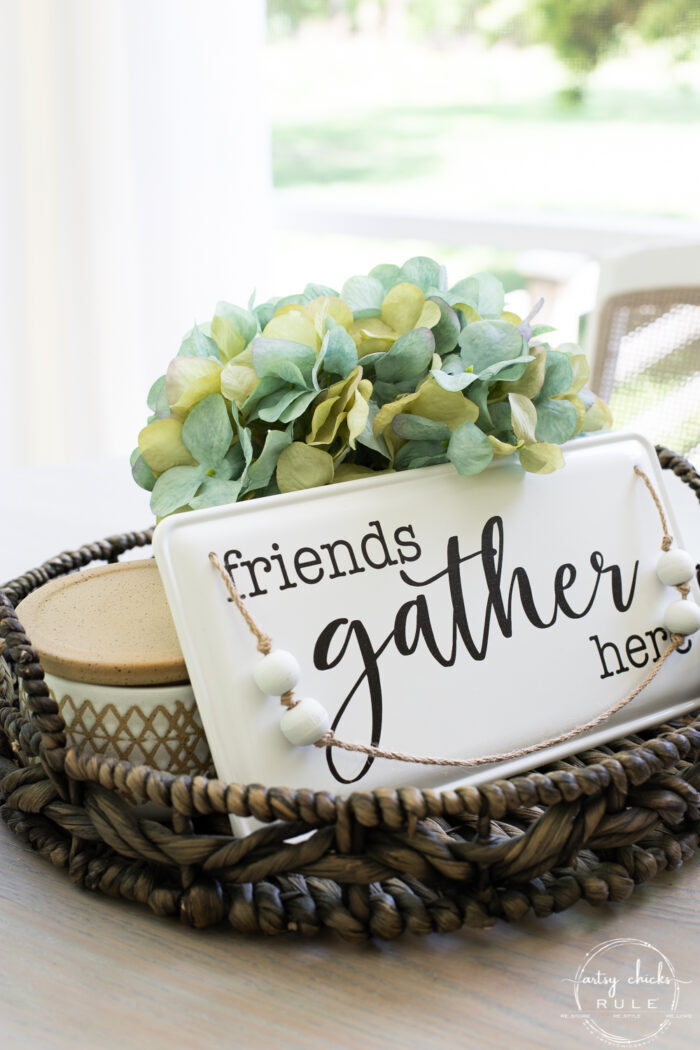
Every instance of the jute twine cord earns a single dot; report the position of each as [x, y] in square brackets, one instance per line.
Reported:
[371, 864]
[329, 739]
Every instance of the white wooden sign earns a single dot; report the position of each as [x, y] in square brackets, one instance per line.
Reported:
[432, 614]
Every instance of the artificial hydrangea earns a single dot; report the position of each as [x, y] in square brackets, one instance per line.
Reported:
[394, 372]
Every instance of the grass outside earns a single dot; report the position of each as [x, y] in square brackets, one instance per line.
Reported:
[358, 119]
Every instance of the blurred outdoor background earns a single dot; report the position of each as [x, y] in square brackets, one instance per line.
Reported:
[580, 116]
[163, 154]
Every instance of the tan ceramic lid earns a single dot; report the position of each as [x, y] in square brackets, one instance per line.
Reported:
[110, 626]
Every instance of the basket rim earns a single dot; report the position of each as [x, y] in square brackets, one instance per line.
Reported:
[43, 735]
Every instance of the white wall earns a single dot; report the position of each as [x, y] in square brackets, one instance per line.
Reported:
[134, 181]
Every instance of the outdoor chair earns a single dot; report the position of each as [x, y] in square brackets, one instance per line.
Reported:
[644, 344]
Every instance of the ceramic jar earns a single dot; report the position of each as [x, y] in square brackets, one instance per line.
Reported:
[112, 662]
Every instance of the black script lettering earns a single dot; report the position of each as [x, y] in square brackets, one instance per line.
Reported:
[424, 629]
[565, 578]
[324, 662]
[454, 576]
[598, 563]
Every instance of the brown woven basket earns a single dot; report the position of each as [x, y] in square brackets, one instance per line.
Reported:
[376, 863]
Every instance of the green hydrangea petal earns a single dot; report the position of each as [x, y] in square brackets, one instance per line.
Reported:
[418, 428]
[557, 420]
[558, 376]
[415, 454]
[207, 432]
[424, 272]
[411, 355]
[197, 344]
[284, 358]
[486, 343]
[262, 469]
[482, 292]
[446, 331]
[141, 472]
[157, 399]
[216, 493]
[469, 449]
[363, 295]
[175, 488]
[387, 274]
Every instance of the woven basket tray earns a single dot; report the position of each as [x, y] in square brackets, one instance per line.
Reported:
[377, 863]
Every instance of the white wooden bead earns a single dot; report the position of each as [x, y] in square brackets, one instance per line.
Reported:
[682, 617]
[674, 567]
[277, 672]
[305, 723]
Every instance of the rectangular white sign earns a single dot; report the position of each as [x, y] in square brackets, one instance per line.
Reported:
[432, 614]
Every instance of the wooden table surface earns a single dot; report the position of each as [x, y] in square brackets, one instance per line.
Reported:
[78, 970]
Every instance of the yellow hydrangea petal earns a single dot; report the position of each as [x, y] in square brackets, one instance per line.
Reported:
[503, 448]
[402, 307]
[580, 411]
[161, 445]
[530, 382]
[429, 316]
[246, 358]
[356, 419]
[238, 382]
[372, 336]
[598, 416]
[393, 442]
[541, 458]
[385, 414]
[188, 380]
[469, 312]
[331, 411]
[294, 325]
[445, 406]
[579, 366]
[323, 428]
[301, 466]
[354, 472]
[513, 318]
[229, 341]
[329, 306]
